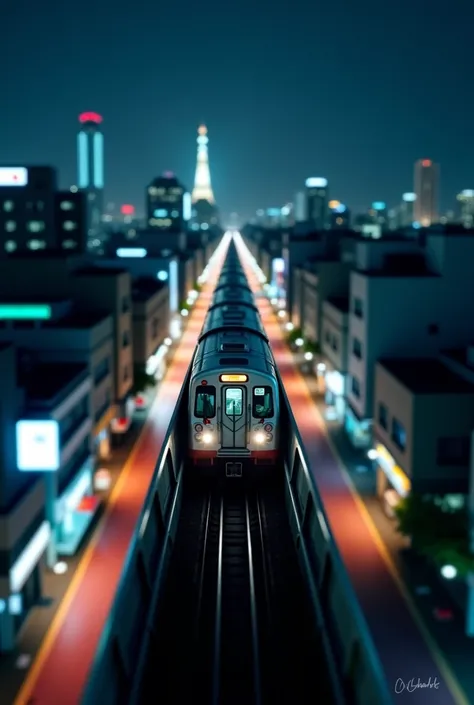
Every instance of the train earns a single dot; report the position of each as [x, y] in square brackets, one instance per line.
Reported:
[234, 403]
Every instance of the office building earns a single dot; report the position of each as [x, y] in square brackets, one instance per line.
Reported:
[339, 216]
[317, 198]
[407, 210]
[426, 189]
[168, 205]
[466, 202]
[35, 216]
[90, 173]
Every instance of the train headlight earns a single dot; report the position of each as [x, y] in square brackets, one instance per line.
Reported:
[268, 427]
[198, 436]
[198, 427]
[269, 437]
[259, 437]
[207, 437]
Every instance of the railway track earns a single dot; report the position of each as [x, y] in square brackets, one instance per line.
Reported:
[234, 624]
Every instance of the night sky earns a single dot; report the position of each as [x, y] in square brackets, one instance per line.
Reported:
[353, 91]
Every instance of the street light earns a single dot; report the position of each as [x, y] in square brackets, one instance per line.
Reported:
[449, 572]
[470, 577]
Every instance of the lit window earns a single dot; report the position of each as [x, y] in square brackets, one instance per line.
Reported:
[66, 205]
[8, 206]
[69, 244]
[69, 225]
[160, 213]
[10, 245]
[36, 244]
[35, 226]
[10, 226]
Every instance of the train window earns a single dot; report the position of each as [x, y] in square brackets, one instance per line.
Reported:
[233, 401]
[262, 403]
[205, 406]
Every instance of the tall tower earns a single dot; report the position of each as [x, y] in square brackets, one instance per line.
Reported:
[426, 191]
[90, 169]
[202, 181]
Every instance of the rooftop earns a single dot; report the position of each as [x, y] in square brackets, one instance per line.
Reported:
[44, 381]
[401, 265]
[79, 320]
[340, 302]
[426, 376]
[460, 355]
[145, 288]
[99, 271]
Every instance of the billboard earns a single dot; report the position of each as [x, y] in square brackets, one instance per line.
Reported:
[37, 446]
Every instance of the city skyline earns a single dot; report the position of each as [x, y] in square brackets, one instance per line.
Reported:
[271, 126]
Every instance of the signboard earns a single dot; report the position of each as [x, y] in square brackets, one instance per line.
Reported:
[13, 176]
[37, 446]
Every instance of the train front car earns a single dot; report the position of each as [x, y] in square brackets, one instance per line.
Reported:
[234, 400]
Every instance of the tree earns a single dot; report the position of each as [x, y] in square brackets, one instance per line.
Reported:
[437, 529]
[141, 380]
[311, 347]
[294, 335]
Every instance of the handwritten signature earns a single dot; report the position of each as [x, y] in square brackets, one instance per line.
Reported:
[414, 684]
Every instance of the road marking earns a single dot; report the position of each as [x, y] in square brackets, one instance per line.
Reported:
[451, 681]
[25, 692]
[456, 690]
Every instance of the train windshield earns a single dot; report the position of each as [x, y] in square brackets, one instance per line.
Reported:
[262, 402]
[205, 406]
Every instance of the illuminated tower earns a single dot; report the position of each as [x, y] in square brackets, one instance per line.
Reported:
[202, 181]
[90, 168]
[426, 191]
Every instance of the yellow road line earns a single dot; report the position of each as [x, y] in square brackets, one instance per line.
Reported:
[58, 620]
[445, 669]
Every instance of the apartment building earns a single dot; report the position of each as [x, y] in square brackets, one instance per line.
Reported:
[404, 300]
[92, 289]
[55, 332]
[423, 419]
[151, 322]
[333, 366]
[45, 476]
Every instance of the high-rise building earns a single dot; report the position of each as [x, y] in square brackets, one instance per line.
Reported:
[168, 204]
[202, 181]
[300, 208]
[317, 197]
[35, 216]
[339, 216]
[407, 209]
[426, 190]
[90, 171]
[466, 199]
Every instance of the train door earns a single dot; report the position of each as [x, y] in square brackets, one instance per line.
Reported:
[234, 417]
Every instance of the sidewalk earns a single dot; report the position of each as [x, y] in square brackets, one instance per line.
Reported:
[428, 590]
[14, 665]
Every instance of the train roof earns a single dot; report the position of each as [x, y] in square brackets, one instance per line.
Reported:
[233, 278]
[233, 295]
[236, 316]
[235, 349]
